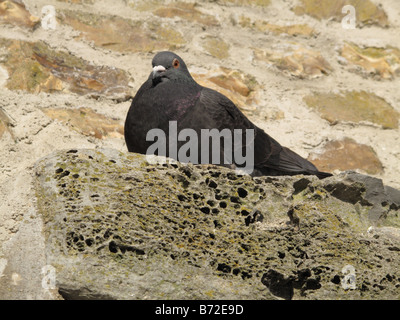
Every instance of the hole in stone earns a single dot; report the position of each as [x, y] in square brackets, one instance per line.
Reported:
[336, 279]
[256, 216]
[278, 284]
[246, 275]
[215, 174]
[312, 284]
[181, 197]
[242, 193]
[113, 161]
[217, 224]
[231, 176]
[107, 234]
[223, 204]
[59, 170]
[76, 176]
[72, 151]
[224, 268]
[211, 203]
[215, 210]
[64, 174]
[113, 247]
[89, 242]
[186, 171]
[235, 199]
[205, 210]
[212, 184]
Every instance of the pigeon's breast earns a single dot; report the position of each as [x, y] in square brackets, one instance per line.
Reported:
[176, 108]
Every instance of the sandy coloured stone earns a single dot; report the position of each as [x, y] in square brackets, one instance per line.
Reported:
[367, 13]
[347, 154]
[264, 26]
[295, 60]
[14, 12]
[187, 11]
[36, 67]
[120, 34]
[261, 3]
[241, 88]
[87, 122]
[382, 63]
[5, 124]
[354, 106]
[216, 47]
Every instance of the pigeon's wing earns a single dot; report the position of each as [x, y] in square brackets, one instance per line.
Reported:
[223, 113]
[268, 153]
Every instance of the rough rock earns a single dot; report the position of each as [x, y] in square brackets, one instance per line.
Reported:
[120, 226]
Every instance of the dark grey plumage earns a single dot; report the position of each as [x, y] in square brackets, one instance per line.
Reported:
[171, 94]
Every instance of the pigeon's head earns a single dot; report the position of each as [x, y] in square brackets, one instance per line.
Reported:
[169, 66]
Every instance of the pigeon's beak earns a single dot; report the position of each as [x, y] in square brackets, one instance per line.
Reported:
[157, 70]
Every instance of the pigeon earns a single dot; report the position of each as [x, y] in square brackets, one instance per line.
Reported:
[171, 99]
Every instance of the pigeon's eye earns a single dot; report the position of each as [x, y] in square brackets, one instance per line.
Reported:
[175, 63]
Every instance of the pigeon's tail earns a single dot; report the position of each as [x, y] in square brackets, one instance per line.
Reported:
[321, 175]
[290, 163]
